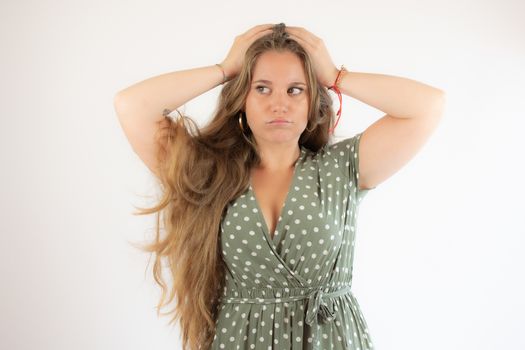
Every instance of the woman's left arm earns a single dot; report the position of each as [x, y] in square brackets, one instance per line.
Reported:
[413, 111]
[396, 96]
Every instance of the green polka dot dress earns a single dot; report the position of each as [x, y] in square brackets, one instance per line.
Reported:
[293, 291]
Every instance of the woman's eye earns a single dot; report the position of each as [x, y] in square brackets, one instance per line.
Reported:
[260, 87]
[264, 87]
[298, 88]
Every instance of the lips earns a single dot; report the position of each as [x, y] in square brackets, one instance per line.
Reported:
[279, 120]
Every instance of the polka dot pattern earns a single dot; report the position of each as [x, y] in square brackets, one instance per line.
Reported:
[293, 291]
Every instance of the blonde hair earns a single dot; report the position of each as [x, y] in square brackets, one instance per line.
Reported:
[201, 172]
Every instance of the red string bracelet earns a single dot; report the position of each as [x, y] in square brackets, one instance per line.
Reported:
[335, 88]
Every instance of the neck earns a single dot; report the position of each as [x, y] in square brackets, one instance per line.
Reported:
[276, 158]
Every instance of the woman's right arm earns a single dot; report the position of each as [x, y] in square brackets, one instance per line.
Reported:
[140, 107]
[148, 99]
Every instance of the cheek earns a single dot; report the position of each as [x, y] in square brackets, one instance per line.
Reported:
[305, 105]
[252, 100]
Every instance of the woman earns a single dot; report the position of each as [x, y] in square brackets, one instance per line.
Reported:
[259, 209]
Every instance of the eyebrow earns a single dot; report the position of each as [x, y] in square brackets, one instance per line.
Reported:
[270, 83]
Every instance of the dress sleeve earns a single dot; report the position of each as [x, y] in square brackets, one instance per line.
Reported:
[346, 156]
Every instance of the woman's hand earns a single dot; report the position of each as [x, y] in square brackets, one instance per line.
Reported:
[233, 62]
[325, 69]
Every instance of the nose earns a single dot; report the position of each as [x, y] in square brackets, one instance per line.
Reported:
[279, 102]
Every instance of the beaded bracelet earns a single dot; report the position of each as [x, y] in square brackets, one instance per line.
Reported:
[340, 75]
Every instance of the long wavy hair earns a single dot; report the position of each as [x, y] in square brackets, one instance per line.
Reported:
[200, 173]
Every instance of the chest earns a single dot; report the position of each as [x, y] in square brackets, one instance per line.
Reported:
[270, 192]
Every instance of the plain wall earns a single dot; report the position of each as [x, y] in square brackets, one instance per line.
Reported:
[439, 252]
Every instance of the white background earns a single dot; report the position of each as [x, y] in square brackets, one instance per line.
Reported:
[439, 252]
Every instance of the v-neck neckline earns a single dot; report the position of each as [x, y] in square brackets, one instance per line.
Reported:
[260, 214]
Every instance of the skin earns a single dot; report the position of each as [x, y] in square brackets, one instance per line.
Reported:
[280, 97]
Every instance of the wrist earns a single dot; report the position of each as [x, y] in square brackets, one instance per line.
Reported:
[228, 72]
[223, 72]
[336, 82]
[333, 77]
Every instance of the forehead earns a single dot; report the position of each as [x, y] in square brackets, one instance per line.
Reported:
[274, 65]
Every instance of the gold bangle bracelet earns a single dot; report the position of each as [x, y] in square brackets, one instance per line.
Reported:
[223, 74]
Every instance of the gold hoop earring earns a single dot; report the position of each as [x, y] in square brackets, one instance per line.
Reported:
[240, 121]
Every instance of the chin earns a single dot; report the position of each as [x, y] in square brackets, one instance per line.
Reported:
[283, 137]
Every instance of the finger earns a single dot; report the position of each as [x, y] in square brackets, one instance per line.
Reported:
[298, 31]
[260, 34]
[259, 31]
[301, 41]
[297, 34]
[303, 33]
[259, 28]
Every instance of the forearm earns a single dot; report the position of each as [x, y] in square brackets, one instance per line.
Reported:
[396, 96]
[169, 90]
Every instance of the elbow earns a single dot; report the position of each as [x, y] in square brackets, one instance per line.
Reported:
[117, 102]
[438, 104]
[121, 104]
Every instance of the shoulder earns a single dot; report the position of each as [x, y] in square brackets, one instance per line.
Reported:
[337, 150]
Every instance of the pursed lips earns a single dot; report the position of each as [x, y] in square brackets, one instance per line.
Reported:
[279, 121]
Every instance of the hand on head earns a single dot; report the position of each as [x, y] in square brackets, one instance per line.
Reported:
[233, 62]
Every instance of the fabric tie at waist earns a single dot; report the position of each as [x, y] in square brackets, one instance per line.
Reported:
[320, 308]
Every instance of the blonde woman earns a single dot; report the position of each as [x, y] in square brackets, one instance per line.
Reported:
[260, 206]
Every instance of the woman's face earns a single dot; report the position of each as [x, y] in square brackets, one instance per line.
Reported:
[278, 91]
